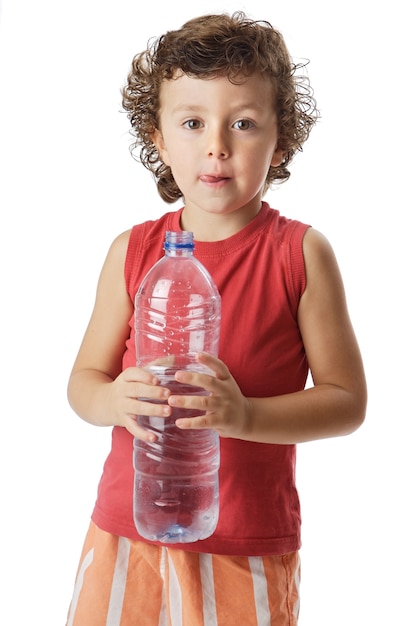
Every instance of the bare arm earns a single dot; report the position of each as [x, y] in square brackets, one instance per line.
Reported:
[334, 406]
[98, 391]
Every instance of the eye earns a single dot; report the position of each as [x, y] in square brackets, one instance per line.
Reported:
[243, 124]
[192, 124]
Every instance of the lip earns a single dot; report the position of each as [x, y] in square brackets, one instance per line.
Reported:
[213, 179]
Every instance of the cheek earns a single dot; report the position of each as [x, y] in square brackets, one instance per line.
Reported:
[181, 158]
[172, 154]
[258, 163]
[182, 166]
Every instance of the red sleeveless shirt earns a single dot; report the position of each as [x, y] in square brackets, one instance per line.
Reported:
[260, 275]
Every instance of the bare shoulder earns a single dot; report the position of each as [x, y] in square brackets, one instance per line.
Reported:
[320, 261]
[118, 247]
[116, 256]
[316, 245]
[111, 281]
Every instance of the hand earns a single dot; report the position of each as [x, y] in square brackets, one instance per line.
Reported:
[124, 403]
[225, 409]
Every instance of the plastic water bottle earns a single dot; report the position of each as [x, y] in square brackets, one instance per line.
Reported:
[177, 315]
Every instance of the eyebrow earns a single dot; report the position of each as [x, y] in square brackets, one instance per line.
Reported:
[254, 105]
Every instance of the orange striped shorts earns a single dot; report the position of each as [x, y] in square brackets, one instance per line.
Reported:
[121, 582]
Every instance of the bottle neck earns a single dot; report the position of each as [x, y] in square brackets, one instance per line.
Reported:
[179, 244]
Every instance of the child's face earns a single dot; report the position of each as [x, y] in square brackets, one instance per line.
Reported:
[219, 140]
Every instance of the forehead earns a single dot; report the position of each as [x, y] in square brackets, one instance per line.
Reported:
[256, 89]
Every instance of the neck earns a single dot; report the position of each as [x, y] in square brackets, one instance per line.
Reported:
[216, 227]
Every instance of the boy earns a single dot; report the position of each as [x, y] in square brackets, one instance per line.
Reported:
[218, 114]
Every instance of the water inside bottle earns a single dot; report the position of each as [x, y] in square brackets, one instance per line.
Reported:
[176, 477]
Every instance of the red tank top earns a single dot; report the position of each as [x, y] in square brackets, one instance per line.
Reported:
[260, 274]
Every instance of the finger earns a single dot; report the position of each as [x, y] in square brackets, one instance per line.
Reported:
[195, 379]
[199, 403]
[218, 367]
[150, 409]
[138, 432]
[195, 423]
[149, 392]
[138, 375]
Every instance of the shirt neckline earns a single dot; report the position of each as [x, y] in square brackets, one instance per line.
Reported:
[236, 241]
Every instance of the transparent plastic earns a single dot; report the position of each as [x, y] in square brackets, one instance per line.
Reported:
[177, 315]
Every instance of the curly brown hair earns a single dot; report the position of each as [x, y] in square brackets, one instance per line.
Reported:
[210, 46]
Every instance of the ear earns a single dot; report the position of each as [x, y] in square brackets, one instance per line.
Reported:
[160, 145]
[278, 157]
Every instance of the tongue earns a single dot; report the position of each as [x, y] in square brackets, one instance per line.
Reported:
[212, 179]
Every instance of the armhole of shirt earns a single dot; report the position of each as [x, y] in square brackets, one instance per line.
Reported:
[297, 261]
[134, 249]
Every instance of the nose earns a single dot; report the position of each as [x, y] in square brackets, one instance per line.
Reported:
[217, 143]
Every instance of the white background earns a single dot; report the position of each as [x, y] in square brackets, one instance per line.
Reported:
[69, 186]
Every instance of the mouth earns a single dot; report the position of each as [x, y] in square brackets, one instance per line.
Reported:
[211, 179]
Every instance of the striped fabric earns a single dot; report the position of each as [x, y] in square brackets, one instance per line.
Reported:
[121, 582]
